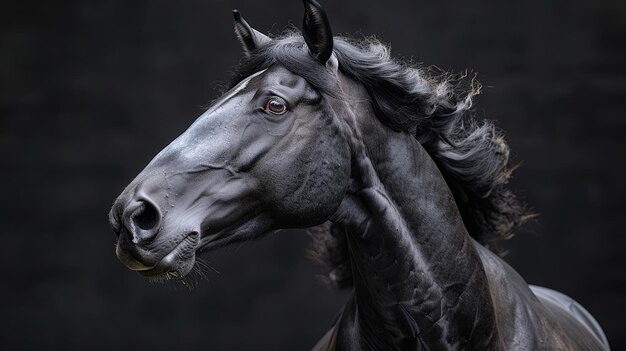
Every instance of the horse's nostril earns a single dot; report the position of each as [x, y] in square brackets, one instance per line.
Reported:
[141, 219]
[146, 217]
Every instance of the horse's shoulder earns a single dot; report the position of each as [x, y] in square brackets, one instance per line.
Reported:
[520, 306]
[569, 312]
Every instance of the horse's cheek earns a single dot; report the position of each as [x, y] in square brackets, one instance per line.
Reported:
[327, 177]
[305, 182]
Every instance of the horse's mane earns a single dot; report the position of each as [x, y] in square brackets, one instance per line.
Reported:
[435, 107]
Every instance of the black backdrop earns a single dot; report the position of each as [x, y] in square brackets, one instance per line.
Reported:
[91, 90]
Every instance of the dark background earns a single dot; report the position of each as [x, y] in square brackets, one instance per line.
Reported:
[91, 90]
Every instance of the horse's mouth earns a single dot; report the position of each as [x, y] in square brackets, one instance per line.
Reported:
[176, 263]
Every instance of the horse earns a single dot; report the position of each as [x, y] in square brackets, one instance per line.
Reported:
[407, 190]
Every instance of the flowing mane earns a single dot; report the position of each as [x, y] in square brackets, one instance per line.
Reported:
[435, 107]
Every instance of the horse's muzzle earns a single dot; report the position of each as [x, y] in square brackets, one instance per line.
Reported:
[136, 222]
[143, 245]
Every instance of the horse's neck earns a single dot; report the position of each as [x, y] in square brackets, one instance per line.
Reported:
[417, 276]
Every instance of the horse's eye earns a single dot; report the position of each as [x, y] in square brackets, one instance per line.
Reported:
[275, 105]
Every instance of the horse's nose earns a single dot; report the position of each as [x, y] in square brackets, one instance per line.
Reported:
[142, 220]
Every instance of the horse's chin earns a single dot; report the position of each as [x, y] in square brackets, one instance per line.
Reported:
[177, 271]
[177, 263]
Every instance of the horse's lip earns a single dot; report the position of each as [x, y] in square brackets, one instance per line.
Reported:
[190, 241]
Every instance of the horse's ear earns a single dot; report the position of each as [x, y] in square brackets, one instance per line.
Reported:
[316, 31]
[250, 39]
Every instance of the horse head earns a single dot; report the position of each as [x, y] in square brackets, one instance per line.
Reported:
[268, 154]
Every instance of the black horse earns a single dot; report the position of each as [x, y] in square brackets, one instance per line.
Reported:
[320, 130]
